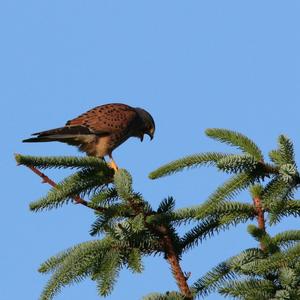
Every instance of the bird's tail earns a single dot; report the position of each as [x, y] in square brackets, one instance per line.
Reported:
[58, 134]
[38, 140]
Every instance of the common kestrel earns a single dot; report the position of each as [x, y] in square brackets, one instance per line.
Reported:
[102, 129]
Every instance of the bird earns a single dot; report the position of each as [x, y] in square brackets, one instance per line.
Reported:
[101, 130]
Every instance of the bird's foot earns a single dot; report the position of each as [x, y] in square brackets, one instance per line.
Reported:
[113, 165]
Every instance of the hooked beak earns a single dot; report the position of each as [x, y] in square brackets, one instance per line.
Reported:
[150, 135]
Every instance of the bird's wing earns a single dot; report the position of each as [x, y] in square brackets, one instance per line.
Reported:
[67, 134]
[67, 130]
[106, 119]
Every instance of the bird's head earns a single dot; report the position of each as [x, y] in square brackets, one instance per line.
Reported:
[148, 125]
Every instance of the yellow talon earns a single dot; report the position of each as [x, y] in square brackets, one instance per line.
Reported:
[113, 165]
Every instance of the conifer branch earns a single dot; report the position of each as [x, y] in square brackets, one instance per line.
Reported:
[58, 162]
[235, 139]
[77, 199]
[213, 279]
[201, 159]
[123, 183]
[274, 261]
[132, 229]
[286, 238]
[249, 289]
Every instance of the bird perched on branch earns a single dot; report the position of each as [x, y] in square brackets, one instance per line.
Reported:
[102, 129]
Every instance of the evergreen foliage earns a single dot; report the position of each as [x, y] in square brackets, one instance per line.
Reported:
[166, 296]
[80, 183]
[255, 273]
[210, 158]
[127, 227]
[235, 139]
[73, 162]
[258, 274]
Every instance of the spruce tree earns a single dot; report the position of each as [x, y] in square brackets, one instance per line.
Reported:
[129, 227]
[271, 270]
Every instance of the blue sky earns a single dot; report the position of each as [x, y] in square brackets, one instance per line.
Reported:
[192, 64]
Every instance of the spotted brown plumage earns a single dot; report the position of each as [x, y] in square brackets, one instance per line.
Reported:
[100, 130]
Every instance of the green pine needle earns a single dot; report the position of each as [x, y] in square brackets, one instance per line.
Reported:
[281, 209]
[210, 158]
[108, 272]
[238, 163]
[274, 262]
[105, 197]
[288, 173]
[108, 218]
[249, 289]
[235, 139]
[123, 184]
[135, 261]
[166, 205]
[213, 280]
[54, 262]
[286, 150]
[287, 238]
[277, 189]
[256, 191]
[231, 188]
[44, 162]
[76, 266]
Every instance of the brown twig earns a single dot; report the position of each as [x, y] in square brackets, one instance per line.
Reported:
[260, 217]
[173, 260]
[77, 199]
